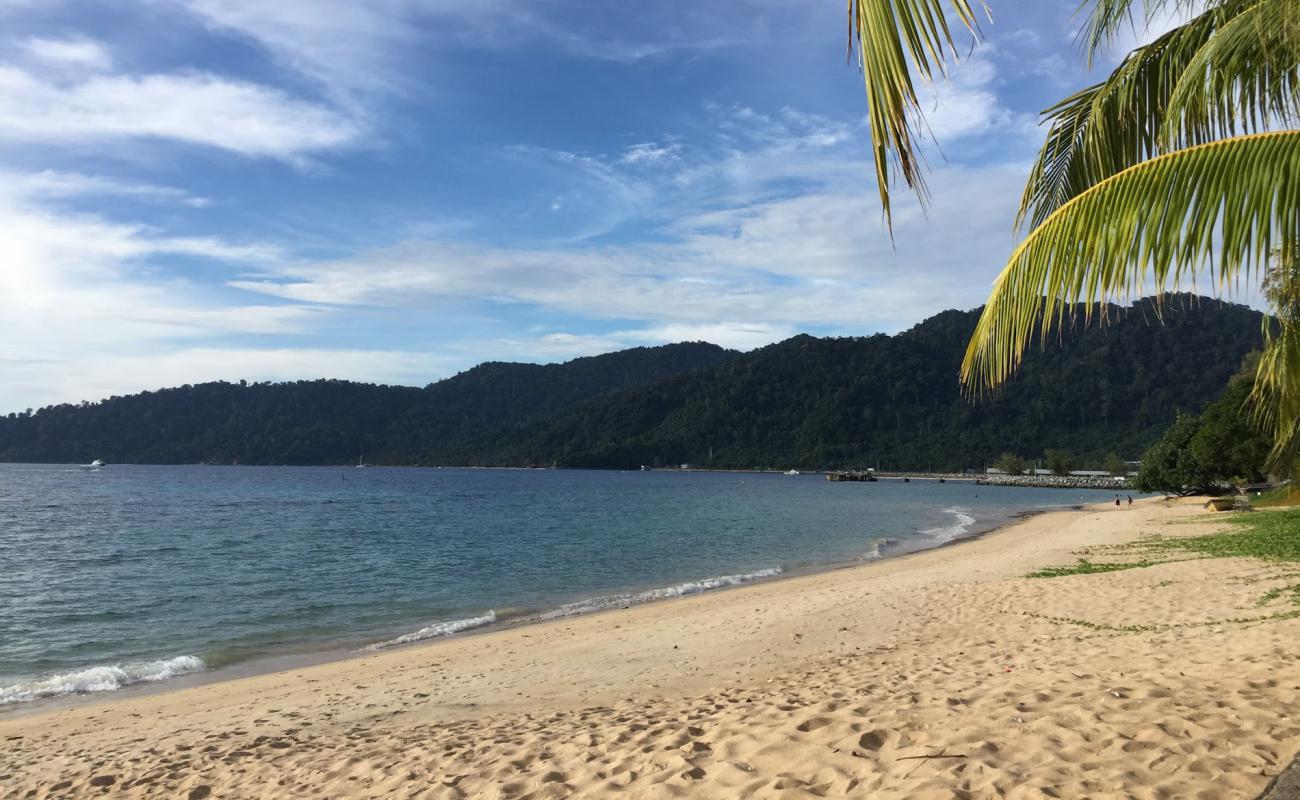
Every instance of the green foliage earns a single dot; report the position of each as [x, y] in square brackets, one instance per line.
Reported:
[804, 403]
[1011, 464]
[1288, 495]
[331, 421]
[1059, 462]
[1086, 567]
[1272, 535]
[1115, 465]
[1202, 454]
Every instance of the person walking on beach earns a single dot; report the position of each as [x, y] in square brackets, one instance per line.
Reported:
[1130, 500]
[1116, 501]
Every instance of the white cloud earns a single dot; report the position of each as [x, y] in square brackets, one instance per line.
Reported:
[768, 268]
[79, 290]
[83, 53]
[54, 184]
[196, 108]
[650, 153]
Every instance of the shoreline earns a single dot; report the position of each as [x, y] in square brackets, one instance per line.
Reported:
[843, 683]
[302, 655]
[271, 665]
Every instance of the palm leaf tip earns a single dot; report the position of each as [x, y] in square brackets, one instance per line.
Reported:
[1223, 205]
[896, 39]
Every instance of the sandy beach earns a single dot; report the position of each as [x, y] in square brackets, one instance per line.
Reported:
[943, 674]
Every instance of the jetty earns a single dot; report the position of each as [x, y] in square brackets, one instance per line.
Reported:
[866, 476]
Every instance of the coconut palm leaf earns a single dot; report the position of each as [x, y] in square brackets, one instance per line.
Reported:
[1242, 79]
[1223, 205]
[1107, 18]
[1274, 402]
[893, 38]
[1119, 122]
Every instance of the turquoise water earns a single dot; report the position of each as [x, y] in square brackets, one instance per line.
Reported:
[136, 574]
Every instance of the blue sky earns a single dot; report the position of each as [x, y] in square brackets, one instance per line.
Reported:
[396, 190]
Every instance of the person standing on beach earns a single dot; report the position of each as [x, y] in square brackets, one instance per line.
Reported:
[1130, 500]
[1116, 501]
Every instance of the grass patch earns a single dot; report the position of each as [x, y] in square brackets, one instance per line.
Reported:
[1270, 535]
[1281, 496]
[1291, 592]
[1085, 567]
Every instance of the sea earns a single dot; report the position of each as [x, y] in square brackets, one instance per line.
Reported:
[139, 575]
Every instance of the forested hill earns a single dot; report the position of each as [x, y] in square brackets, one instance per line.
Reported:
[895, 401]
[331, 421]
[891, 401]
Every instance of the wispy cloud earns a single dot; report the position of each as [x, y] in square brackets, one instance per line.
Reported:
[54, 184]
[197, 109]
[80, 52]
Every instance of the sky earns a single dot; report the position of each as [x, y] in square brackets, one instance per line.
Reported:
[394, 191]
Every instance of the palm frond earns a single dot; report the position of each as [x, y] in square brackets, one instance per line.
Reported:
[1117, 123]
[893, 38]
[1242, 79]
[1105, 19]
[1274, 402]
[1223, 206]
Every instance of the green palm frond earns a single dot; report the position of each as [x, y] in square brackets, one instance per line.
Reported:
[1244, 78]
[1107, 18]
[1274, 402]
[1119, 122]
[893, 38]
[1223, 206]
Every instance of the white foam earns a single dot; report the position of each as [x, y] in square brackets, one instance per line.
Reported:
[949, 532]
[873, 550]
[438, 629]
[676, 590]
[100, 679]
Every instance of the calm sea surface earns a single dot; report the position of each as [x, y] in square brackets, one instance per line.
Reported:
[136, 574]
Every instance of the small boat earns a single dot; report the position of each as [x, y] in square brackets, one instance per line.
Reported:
[644, 468]
[94, 465]
[361, 462]
[793, 472]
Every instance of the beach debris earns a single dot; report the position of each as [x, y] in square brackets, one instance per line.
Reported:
[944, 754]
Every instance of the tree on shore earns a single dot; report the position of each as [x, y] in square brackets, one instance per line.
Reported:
[1011, 464]
[1059, 462]
[1207, 453]
[1183, 161]
[1115, 465]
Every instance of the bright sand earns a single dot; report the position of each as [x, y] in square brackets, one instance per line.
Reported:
[941, 674]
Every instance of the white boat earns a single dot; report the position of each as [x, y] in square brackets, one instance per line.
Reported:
[94, 465]
[361, 462]
[793, 472]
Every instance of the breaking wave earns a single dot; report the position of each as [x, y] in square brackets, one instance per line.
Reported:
[638, 598]
[959, 527]
[438, 629]
[100, 679]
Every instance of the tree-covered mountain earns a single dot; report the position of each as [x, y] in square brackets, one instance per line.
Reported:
[895, 401]
[892, 401]
[332, 421]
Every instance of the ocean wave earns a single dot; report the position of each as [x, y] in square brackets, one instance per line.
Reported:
[438, 629]
[100, 679]
[959, 527]
[873, 549]
[638, 598]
